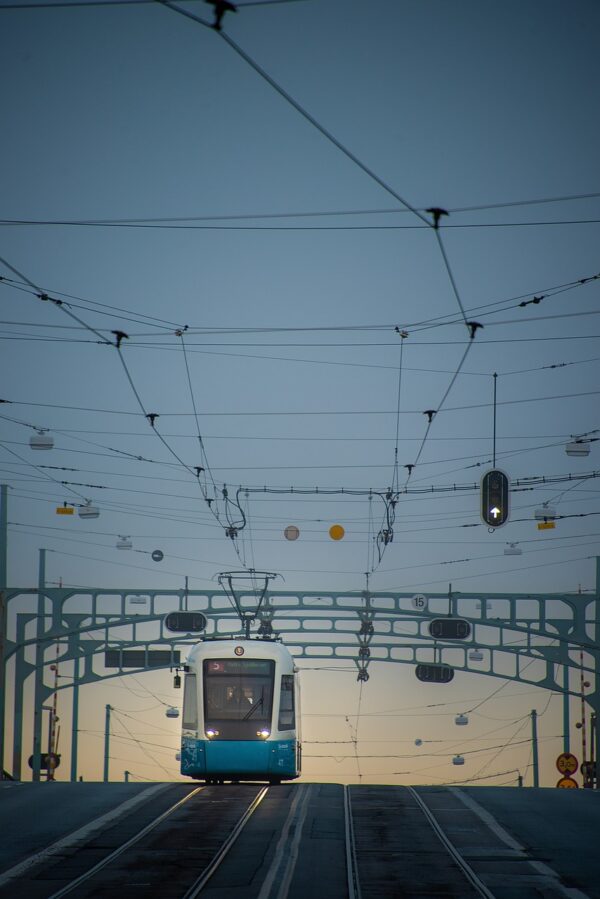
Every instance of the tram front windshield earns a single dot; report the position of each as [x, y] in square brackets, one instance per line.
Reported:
[238, 690]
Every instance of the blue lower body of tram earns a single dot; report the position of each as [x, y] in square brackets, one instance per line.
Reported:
[264, 759]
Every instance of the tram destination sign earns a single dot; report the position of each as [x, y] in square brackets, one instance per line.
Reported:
[449, 629]
[238, 666]
[435, 673]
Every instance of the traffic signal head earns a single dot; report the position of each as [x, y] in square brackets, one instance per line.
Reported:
[495, 498]
[184, 622]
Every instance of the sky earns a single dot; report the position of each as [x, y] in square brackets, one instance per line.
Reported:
[249, 207]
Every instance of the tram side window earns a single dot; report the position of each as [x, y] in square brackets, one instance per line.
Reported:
[190, 703]
[286, 703]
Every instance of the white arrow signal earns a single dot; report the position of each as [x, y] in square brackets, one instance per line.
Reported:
[495, 512]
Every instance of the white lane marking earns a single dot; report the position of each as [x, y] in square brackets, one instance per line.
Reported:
[294, 848]
[79, 835]
[352, 878]
[488, 819]
[507, 838]
[296, 817]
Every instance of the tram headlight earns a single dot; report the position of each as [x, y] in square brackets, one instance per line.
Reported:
[211, 732]
[263, 733]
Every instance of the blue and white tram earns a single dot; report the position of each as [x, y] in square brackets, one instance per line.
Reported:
[240, 712]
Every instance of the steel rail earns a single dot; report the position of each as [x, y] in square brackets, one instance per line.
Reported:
[467, 870]
[354, 891]
[199, 885]
[123, 848]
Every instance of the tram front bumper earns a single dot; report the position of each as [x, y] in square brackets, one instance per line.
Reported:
[276, 758]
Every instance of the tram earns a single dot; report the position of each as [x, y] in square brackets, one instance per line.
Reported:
[240, 712]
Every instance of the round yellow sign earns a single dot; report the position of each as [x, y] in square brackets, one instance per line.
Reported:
[567, 763]
[567, 783]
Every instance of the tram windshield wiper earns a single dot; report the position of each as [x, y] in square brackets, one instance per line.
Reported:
[253, 708]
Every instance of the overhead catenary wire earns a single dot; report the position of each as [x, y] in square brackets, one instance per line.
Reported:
[81, 4]
[343, 149]
[204, 459]
[414, 327]
[333, 140]
[395, 479]
[316, 412]
[414, 755]
[510, 742]
[298, 214]
[535, 466]
[45, 474]
[431, 414]
[119, 337]
[140, 743]
[184, 224]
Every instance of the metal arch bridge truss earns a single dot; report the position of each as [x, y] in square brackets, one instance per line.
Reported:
[539, 640]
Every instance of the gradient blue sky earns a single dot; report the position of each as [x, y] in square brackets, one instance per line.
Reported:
[137, 112]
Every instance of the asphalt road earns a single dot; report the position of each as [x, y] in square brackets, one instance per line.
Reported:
[33, 816]
[561, 827]
[521, 842]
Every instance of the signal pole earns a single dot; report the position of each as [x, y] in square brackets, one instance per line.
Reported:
[534, 748]
[106, 742]
[39, 668]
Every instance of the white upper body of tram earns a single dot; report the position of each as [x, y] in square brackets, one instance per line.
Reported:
[241, 712]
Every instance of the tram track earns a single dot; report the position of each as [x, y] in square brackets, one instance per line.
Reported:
[173, 855]
[392, 849]
[219, 858]
[450, 848]
[133, 841]
[323, 841]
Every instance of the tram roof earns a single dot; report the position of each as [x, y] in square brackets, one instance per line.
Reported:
[240, 647]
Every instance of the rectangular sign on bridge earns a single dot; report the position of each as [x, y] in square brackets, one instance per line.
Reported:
[139, 658]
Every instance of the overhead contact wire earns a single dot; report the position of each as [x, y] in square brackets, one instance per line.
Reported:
[203, 455]
[435, 412]
[395, 475]
[301, 110]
